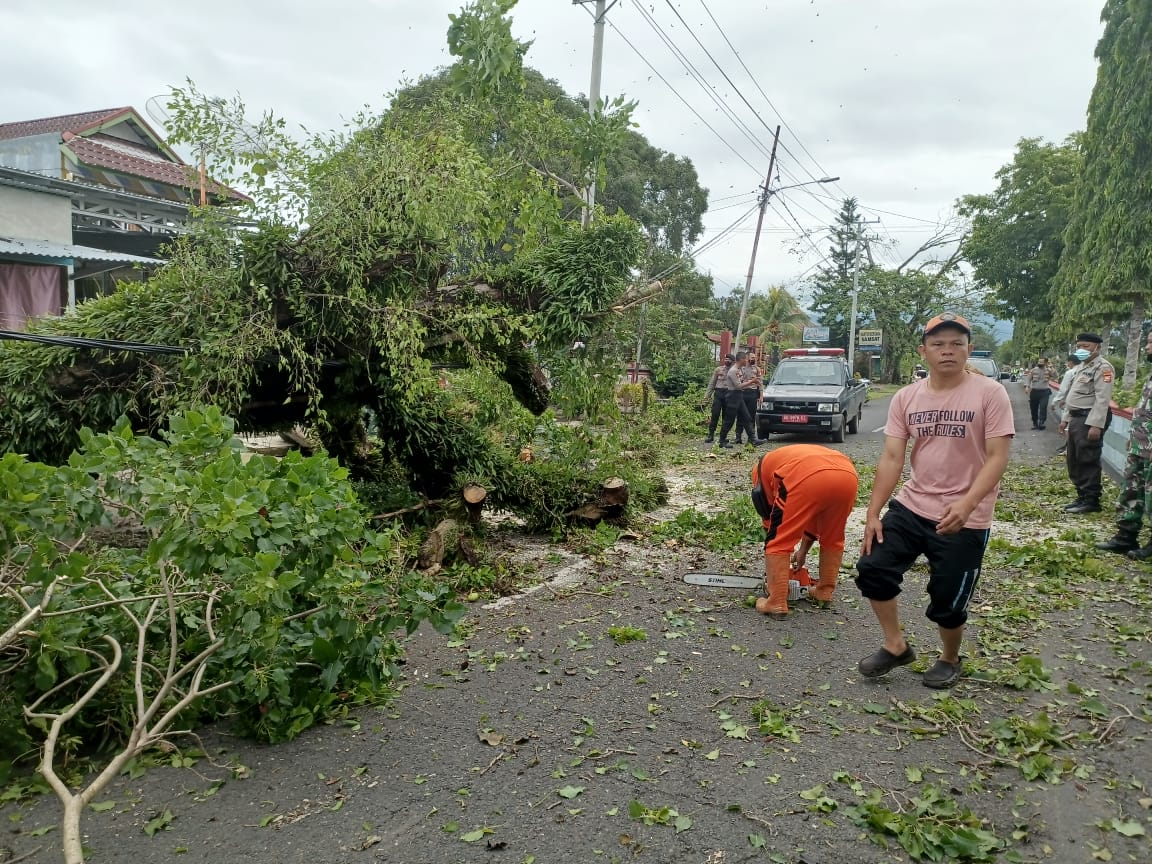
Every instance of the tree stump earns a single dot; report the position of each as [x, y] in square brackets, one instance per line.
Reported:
[613, 497]
[474, 496]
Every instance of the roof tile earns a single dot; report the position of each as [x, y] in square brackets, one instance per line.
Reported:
[60, 125]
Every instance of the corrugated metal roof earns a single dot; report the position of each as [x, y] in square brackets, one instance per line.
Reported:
[56, 251]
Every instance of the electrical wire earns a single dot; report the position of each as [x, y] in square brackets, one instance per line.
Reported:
[676, 92]
[699, 78]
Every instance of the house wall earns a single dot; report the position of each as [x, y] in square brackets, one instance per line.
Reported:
[28, 215]
[39, 154]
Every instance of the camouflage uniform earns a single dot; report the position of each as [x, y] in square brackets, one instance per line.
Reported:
[1136, 491]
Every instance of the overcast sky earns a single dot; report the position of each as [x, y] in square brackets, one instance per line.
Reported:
[912, 103]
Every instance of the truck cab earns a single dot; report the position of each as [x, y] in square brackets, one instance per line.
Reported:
[812, 390]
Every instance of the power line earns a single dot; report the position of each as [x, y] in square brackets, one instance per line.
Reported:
[752, 77]
[699, 78]
[687, 104]
[726, 207]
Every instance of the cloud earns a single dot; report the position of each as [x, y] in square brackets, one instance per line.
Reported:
[911, 102]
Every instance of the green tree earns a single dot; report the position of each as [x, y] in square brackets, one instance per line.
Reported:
[541, 126]
[1106, 269]
[1016, 235]
[832, 287]
[776, 319]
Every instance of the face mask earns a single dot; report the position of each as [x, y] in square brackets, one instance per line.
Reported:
[1082, 354]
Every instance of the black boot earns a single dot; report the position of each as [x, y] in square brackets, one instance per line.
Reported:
[1086, 506]
[1141, 554]
[1070, 507]
[1124, 541]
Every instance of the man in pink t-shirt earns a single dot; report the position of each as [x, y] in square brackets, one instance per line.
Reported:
[961, 429]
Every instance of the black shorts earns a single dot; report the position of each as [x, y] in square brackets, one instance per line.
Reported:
[954, 562]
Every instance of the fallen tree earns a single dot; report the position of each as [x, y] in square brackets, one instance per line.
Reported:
[341, 325]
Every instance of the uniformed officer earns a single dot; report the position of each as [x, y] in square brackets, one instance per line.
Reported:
[717, 389]
[734, 410]
[1086, 416]
[1135, 502]
[751, 395]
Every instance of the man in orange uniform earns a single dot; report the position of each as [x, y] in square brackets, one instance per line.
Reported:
[811, 490]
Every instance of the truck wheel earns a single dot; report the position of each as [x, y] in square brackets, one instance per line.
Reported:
[762, 431]
[838, 434]
[854, 423]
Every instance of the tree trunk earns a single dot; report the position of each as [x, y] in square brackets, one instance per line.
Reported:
[474, 496]
[1135, 339]
[588, 516]
[439, 540]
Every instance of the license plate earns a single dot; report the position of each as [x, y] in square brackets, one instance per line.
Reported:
[794, 418]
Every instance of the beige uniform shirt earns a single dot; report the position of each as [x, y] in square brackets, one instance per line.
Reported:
[1091, 391]
[718, 381]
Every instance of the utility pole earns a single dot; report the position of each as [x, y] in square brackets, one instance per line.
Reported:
[756, 237]
[602, 8]
[855, 296]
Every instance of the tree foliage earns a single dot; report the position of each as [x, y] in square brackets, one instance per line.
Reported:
[1016, 237]
[152, 579]
[1106, 269]
[776, 319]
[832, 286]
[412, 244]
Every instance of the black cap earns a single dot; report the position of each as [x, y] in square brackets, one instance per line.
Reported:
[1089, 337]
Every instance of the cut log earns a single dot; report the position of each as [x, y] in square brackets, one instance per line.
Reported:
[474, 496]
[613, 496]
[440, 539]
[588, 516]
[468, 551]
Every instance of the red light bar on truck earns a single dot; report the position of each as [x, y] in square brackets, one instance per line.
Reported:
[813, 352]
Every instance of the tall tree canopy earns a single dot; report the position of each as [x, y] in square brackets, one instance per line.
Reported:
[542, 126]
[1017, 231]
[895, 300]
[1105, 272]
[832, 287]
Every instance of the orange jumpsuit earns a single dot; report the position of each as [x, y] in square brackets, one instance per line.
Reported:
[811, 490]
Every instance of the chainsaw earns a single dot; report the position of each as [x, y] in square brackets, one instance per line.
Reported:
[798, 586]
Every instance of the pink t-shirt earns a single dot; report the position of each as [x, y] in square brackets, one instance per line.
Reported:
[948, 430]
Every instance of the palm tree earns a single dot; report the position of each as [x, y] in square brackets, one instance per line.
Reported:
[776, 320]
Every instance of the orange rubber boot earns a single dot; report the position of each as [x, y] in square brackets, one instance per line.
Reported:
[830, 562]
[777, 571]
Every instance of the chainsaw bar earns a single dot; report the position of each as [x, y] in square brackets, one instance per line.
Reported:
[723, 580]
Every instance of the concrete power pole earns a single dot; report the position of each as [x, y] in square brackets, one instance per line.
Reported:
[855, 295]
[594, 89]
[756, 238]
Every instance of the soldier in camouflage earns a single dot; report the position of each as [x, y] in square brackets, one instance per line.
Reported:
[1136, 490]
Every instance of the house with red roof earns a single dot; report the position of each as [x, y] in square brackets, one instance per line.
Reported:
[87, 200]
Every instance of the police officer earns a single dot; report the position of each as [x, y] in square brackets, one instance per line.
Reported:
[751, 395]
[1136, 491]
[1086, 416]
[734, 410]
[717, 389]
